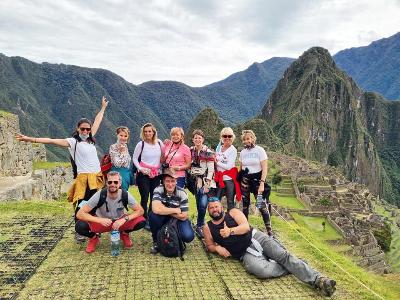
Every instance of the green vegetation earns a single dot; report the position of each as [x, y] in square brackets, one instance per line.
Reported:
[386, 286]
[50, 164]
[286, 201]
[4, 113]
[383, 237]
[315, 225]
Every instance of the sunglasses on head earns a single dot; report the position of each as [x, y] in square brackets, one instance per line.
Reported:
[112, 181]
[226, 136]
[85, 129]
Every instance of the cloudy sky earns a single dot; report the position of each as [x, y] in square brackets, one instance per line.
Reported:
[193, 41]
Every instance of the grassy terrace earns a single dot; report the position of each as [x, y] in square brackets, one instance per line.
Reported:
[39, 260]
[286, 201]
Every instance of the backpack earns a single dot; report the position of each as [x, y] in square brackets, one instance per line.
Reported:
[169, 242]
[105, 164]
[72, 160]
[103, 197]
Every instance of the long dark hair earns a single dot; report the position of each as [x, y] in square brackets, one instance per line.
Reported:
[76, 136]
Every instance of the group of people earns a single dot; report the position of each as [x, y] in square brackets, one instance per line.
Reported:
[163, 169]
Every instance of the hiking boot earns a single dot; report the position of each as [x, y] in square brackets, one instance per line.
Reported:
[80, 238]
[126, 240]
[154, 249]
[91, 246]
[199, 232]
[326, 285]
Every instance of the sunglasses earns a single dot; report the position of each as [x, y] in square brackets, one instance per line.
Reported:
[225, 136]
[112, 181]
[85, 129]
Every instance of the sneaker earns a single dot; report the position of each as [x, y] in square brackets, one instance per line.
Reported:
[126, 240]
[80, 238]
[154, 249]
[326, 285]
[91, 246]
[199, 232]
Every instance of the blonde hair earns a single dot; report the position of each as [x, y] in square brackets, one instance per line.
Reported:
[180, 129]
[154, 138]
[228, 131]
[123, 129]
[250, 133]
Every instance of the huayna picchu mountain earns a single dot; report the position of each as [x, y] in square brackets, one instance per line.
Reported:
[320, 113]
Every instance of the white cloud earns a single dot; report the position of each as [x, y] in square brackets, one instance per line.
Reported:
[195, 42]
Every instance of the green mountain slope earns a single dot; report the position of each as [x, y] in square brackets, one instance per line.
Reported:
[319, 113]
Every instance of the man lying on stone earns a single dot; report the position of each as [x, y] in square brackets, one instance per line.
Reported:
[170, 201]
[107, 210]
[229, 234]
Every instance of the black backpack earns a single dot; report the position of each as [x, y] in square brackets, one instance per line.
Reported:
[169, 242]
[103, 197]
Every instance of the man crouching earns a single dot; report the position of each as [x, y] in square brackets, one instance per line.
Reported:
[229, 234]
[105, 211]
[170, 201]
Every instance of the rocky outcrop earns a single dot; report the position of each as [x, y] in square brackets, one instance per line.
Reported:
[18, 180]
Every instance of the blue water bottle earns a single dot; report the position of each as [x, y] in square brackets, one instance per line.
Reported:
[259, 201]
[115, 243]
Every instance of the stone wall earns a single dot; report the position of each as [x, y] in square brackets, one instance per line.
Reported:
[15, 157]
[17, 179]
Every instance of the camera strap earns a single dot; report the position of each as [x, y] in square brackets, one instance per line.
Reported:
[170, 149]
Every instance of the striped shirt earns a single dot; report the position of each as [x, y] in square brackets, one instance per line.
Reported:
[178, 199]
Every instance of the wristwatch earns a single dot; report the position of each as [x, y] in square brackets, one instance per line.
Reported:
[232, 232]
[126, 218]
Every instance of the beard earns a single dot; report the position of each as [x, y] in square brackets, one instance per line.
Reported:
[217, 217]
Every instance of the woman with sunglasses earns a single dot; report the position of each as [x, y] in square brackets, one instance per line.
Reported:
[226, 174]
[82, 149]
[177, 155]
[147, 159]
[120, 157]
[253, 172]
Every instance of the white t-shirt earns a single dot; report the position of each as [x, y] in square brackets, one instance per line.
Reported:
[252, 158]
[86, 159]
[151, 153]
[226, 160]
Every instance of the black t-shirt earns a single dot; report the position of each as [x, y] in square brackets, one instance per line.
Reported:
[235, 244]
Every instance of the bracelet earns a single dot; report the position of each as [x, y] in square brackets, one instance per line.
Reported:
[262, 180]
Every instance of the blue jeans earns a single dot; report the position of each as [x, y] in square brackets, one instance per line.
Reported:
[184, 227]
[180, 181]
[201, 202]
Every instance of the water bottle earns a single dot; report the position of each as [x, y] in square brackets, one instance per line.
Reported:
[115, 242]
[259, 201]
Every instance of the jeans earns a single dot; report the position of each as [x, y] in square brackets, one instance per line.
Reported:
[277, 261]
[181, 182]
[229, 192]
[146, 187]
[201, 202]
[184, 227]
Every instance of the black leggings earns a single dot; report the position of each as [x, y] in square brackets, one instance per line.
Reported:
[229, 192]
[88, 195]
[249, 185]
[146, 187]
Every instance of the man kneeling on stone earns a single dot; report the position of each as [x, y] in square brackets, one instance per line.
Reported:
[105, 211]
[170, 201]
[229, 234]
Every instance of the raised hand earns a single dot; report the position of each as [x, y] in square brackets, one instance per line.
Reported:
[226, 231]
[104, 102]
